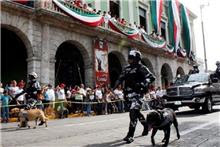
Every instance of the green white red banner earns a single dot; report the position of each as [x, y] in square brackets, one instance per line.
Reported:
[123, 29]
[156, 8]
[186, 30]
[86, 17]
[174, 23]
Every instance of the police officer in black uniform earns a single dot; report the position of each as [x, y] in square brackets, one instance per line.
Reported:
[194, 70]
[31, 90]
[217, 71]
[136, 79]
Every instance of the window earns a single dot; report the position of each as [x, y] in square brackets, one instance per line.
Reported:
[114, 8]
[143, 18]
[163, 30]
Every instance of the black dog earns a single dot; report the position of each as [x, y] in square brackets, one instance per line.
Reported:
[162, 120]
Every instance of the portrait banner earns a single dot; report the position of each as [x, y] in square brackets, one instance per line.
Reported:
[101, 62]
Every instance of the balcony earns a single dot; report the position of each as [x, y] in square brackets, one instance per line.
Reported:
[47, 11]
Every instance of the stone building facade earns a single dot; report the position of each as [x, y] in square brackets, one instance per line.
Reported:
[45, 31]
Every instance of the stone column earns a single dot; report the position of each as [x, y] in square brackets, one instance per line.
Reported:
[89, 75]
[158, 72]
[45, 55]
[52, 76]
[33, 64]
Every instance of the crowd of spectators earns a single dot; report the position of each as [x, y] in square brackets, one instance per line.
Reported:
[100, 100]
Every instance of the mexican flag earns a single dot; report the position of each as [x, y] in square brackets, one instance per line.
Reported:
[174, 23]
[186, 29]
[156, 8]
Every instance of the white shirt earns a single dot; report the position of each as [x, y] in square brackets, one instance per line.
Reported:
[21, 97]
[107, 17]
[51, 94]
[159, 93]
[1, 90]
[98, 94]
[152, 94]
[61, 94]
[13, 90]
[119, 94]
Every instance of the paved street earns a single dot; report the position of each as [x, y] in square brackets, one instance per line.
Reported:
[196, 129]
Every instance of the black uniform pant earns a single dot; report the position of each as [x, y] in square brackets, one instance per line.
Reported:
[135, 115]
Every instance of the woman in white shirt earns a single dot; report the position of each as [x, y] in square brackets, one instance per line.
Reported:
[99, 98]
[120, 97]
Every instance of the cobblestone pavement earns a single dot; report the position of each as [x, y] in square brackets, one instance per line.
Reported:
[196, 129]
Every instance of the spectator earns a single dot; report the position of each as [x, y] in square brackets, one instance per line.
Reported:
[61, 95]
[107, 17]
[159, 93]
[99, 12]
[89, 7]
[152, 92]
[142, 30]
[89, 98]
[120, 97]
[20, 95]
[85, 7]
[99, 98]
[5, 98]
[79, 94]
[135, 26]
[13, 88]
[46, 100]
[123, 21]
[1, 89]
[51, 95]
[78, 3]
[94, 11]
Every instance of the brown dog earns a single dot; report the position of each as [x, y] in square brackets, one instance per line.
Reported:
[30, 115]
[14, 112]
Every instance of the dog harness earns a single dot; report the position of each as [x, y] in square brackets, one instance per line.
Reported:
[165, 117]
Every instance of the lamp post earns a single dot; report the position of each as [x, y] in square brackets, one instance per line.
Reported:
[203, 36]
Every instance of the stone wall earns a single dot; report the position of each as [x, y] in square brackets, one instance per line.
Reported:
[42, 35]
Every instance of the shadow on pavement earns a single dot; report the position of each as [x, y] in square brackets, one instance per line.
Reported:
[117, 143]
[12, 129]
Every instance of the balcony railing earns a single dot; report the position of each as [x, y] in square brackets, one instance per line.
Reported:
[50, 6]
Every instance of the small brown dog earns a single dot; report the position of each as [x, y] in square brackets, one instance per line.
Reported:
[30, 115]
[14, 112]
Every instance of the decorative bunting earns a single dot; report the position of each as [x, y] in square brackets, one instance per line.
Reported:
[128, 31]
[86, 17]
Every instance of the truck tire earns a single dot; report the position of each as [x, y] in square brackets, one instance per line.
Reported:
[207, 106]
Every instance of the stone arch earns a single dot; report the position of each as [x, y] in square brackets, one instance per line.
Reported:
[166, 75]
[115, 61]
[72, 57]
[22, 36]
[180, 71]
[149, 65]
[16, 50]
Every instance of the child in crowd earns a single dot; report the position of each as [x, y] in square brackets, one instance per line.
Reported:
[5, 98]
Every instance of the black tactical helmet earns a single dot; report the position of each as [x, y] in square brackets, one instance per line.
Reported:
[134, 54]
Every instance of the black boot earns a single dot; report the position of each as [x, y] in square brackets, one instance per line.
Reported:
[128, 139]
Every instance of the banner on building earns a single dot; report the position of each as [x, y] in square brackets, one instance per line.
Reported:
[101, 61]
